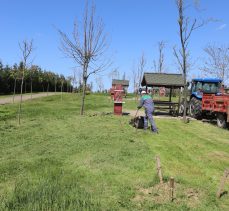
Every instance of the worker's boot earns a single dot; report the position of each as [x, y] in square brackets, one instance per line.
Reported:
[154, 130]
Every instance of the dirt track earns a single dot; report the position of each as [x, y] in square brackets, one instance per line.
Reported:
[8, 100]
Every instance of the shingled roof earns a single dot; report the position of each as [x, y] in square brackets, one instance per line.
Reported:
[162, 79]
[122, 82]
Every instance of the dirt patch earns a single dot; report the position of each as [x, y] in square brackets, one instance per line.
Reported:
[8, 100]
[160, 194]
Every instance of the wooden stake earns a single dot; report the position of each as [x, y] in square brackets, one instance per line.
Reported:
[159, 172]
[171, 185]
[222, 183]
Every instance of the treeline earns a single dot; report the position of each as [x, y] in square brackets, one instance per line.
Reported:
[35, 80]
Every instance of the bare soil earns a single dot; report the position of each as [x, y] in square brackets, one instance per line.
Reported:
[160, 194]
[8, 100]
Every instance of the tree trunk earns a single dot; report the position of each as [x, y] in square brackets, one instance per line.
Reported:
[61, 89]
[185, 99]
[19, 109]
[83, 95]
[48, 89]
[25, 86]
[15, 83]
[31, 88]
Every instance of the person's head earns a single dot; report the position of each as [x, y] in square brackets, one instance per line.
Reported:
[143, 92]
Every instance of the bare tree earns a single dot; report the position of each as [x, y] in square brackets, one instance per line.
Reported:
[160, 65]
[141, 68]
[186, 28]
[74, 81]
[26, 48]
[99, 83]
[87, 48]
[114, 74]
[61, 86]
[217, 61]
[137, 74]
[134, 77]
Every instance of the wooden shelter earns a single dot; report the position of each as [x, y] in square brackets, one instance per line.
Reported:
[167, 80]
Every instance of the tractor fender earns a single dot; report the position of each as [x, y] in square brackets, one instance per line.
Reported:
[197, 95]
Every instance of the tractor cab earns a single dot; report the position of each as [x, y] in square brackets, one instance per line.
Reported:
[205, 85]
[200, 86]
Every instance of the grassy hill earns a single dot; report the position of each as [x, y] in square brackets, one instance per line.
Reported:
[59, 160]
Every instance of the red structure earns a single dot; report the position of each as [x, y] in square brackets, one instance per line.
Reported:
[112, 92]
[118, 94]
[218, 105]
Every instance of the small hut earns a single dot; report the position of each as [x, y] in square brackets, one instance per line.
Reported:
[124, 83]
[167, 80]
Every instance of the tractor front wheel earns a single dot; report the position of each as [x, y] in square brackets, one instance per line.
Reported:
[221, 120]
[195, 108]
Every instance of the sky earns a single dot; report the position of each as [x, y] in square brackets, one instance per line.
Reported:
[133, 27]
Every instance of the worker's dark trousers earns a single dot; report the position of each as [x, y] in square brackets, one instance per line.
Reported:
[149, 115]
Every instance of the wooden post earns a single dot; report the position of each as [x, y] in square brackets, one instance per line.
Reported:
[170, 98]
[222, 182]
[179, 100]
[171, 186]
[159, 172]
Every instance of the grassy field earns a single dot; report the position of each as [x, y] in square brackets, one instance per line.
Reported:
[59, 160]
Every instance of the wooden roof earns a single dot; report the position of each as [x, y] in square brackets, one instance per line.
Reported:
[162, 79]
[122, 82]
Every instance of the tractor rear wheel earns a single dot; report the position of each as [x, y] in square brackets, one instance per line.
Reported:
[221, 120]
[195, 108]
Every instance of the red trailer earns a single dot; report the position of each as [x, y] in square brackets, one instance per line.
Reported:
[217, 105]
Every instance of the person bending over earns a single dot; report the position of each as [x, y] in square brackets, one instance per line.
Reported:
[146, 101]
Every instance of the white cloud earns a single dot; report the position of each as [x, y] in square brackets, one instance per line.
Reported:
[221, 27]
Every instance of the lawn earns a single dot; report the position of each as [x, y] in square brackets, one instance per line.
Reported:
[59, 160]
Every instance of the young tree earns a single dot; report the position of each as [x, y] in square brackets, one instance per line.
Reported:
[217, 61]
[114, 74]
[26, 48]
[74, 81]
[87, 49]
[186, 28]
[99, 83]
[137, 74]
[160, 65]
[140, 70]
[134, 78]
[62, 79]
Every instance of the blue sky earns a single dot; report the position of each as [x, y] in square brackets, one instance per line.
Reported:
[133, 27]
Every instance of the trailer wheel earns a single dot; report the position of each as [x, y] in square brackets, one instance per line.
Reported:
[195, 108]
[221, 120]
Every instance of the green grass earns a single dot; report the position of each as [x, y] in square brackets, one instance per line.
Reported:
[59, 160]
